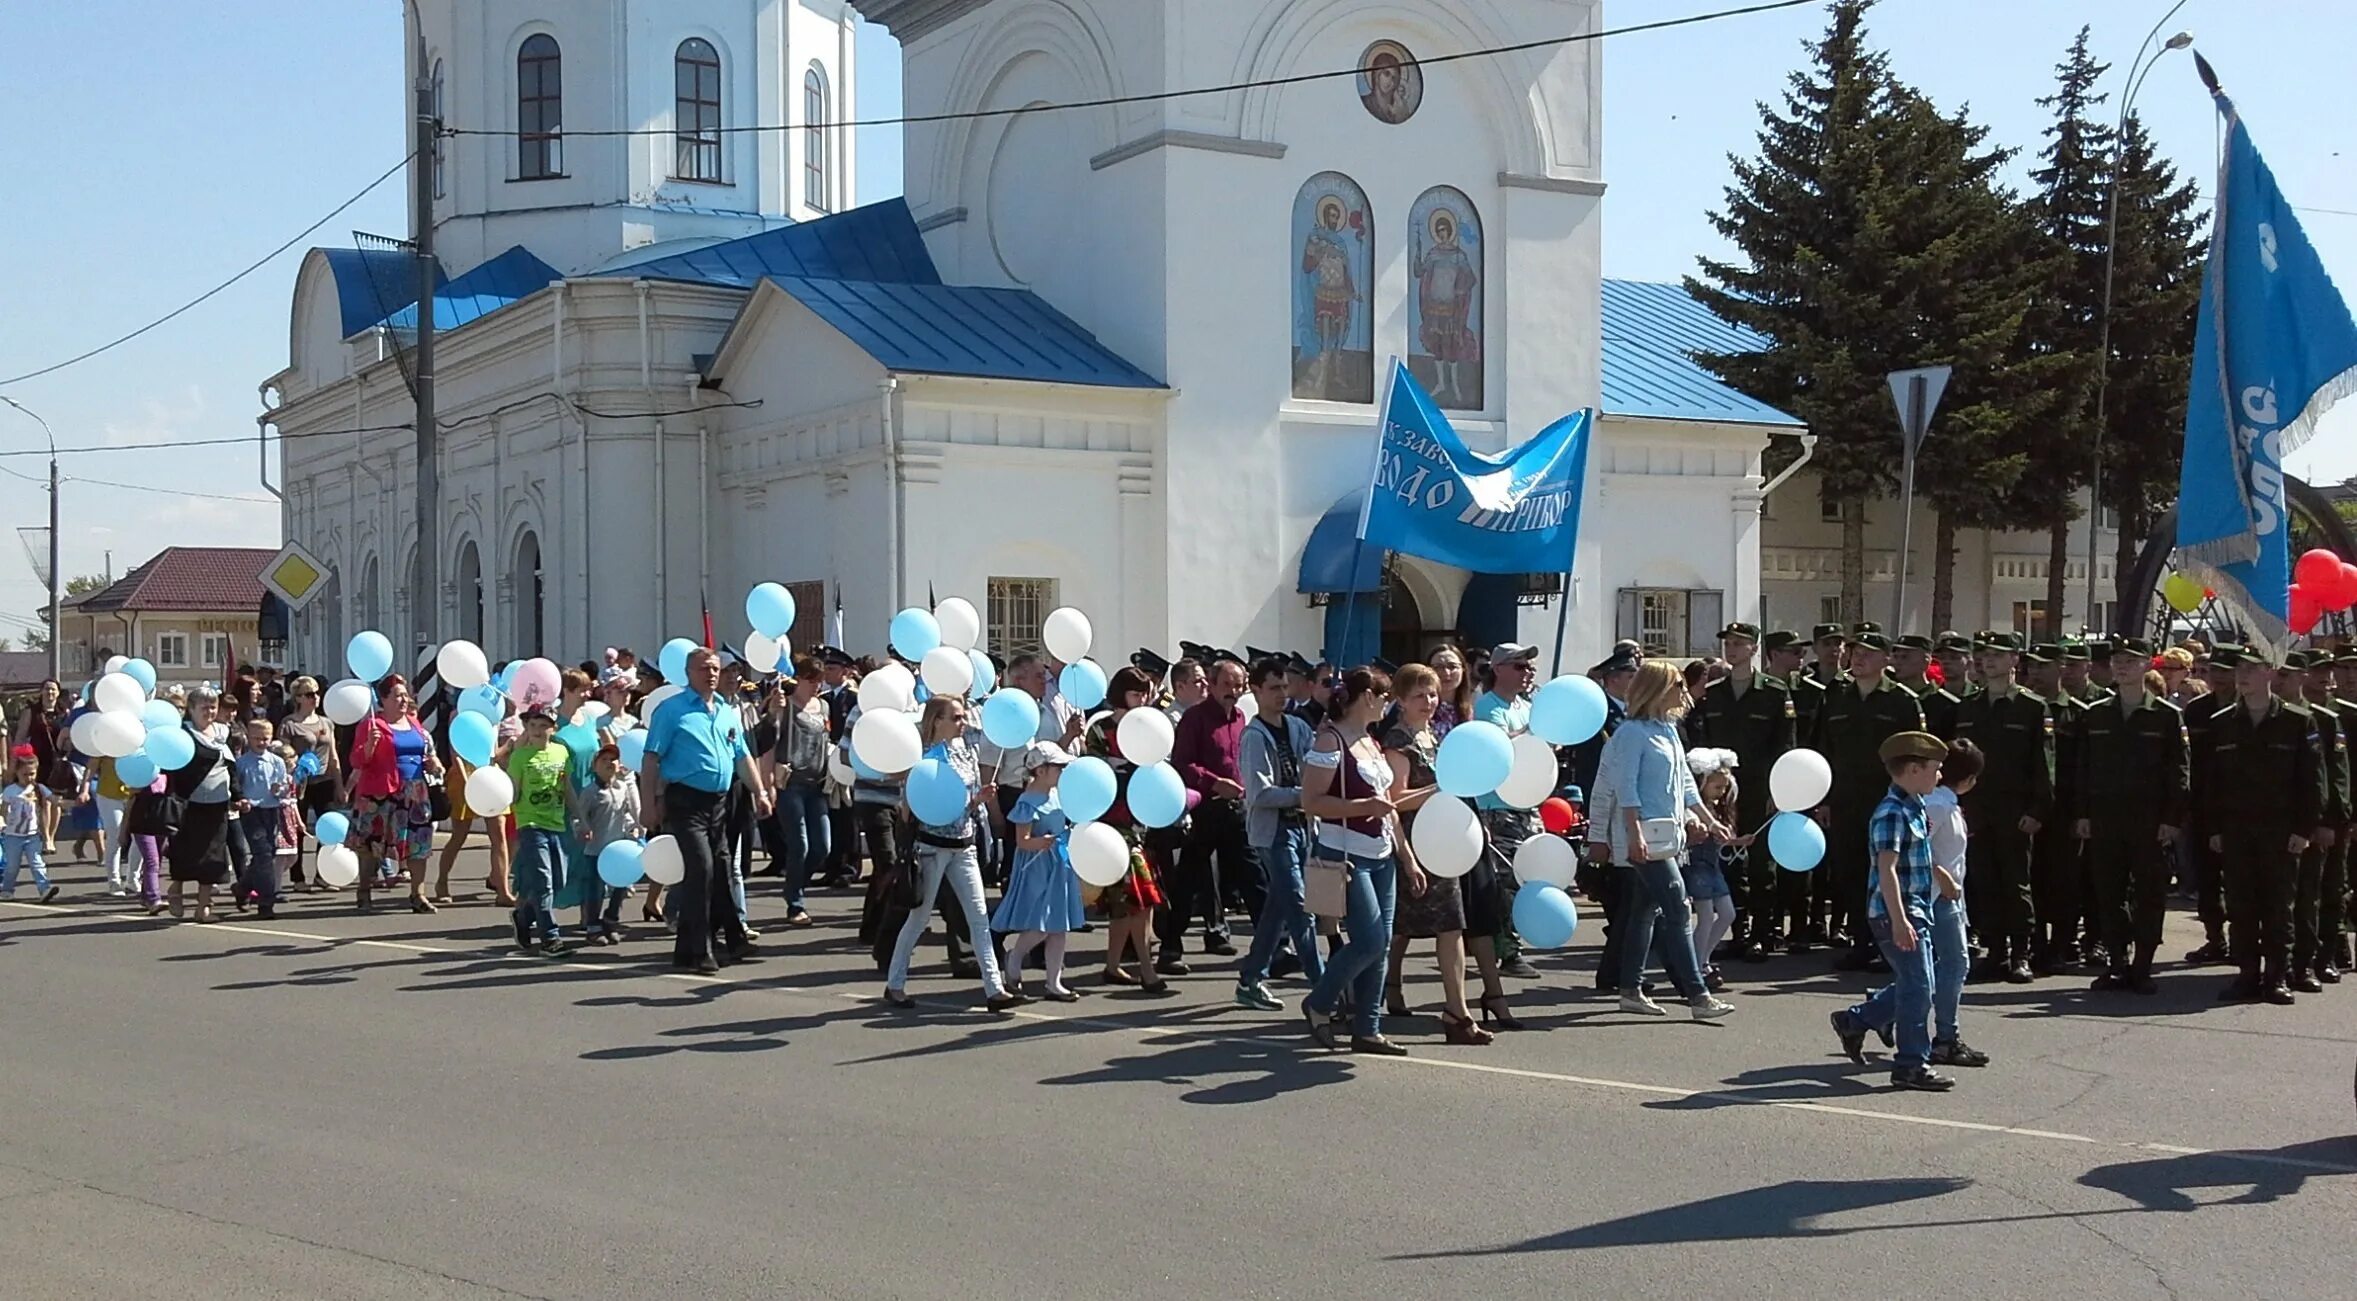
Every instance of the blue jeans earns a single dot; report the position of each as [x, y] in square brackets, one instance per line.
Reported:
[802, 833]
[1365, 959]
[23, 851]
[1285, 912]
[1905, 1003]
[535, 917]
[260, 827]
[1658, 914]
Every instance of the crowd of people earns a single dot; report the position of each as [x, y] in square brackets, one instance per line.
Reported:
[2091, 779]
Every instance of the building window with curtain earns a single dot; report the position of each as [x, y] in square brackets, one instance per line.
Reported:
[696, 112]
[540, 109]
[1671, 621]
[817, 165]
[1018, 608]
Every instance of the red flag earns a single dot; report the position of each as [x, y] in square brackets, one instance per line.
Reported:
[708, 643]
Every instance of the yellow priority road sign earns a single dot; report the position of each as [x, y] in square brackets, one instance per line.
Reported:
[295, 575]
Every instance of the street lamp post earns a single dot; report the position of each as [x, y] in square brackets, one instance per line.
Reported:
[56, 653]
[2137, 71]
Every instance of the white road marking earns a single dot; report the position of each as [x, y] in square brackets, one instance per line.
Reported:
[1150, 1032]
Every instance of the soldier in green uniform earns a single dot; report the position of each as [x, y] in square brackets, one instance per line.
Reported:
[1860, 713]
[1793, 924]
[1832, 645]
[2307, 678]
[2008, 807]
[2334, 924]
[2264, 797]
[1751, 713]
[1911, 668]
[1952, 651]
[2060, 874]
[2078, 671]
[2133, 787]
[2209, 876]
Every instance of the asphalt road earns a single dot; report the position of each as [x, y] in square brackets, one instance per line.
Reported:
[394, 1106]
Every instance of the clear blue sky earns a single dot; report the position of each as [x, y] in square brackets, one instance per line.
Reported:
[154, 148]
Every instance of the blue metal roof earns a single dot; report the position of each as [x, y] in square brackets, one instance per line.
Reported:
[879, 242]
[482, 291]
[929, 328]
[1651, 333]
[372, 283]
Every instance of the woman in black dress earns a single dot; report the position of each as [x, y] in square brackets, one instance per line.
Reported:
[42, 726]
[199, 850]
[1431, 907]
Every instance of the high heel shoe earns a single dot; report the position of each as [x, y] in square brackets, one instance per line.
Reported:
[649, 912]
[1494, 1012]
[1395, 1002]
[1461, 1030]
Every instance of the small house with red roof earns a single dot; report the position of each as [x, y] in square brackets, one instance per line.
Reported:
[193, 612]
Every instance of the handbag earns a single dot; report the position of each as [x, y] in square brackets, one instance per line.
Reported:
[1326, 886]
[1664, 838]
[154, 813]
[901, 885]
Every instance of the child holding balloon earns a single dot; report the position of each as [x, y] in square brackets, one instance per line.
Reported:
[606, 813]
[1042, 902]
[540, 767]
[1707, 860]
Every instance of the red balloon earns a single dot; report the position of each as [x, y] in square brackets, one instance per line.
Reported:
[2318, 570]
[2306, 609]
[2345, 595]
[1555, 815]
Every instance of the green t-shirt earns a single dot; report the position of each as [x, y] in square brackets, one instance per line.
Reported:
[540, 773]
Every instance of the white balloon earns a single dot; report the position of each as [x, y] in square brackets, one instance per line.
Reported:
[1099, 855]
[887, 741]
[948, 672]
[888, 689]
[1145, 736]
[1800, 780]
[115, 663]
[1067, 634]
[489, 792]
[84, 733]
[462, 665]
[656, 697]
[1533, 777]
[662, 861]
[348, 702]
[961, 624]
[1447, 836]
[119, 735]
[118, 693]
[1546, 859]
[338, 865]
[763, 653]
[840, 768]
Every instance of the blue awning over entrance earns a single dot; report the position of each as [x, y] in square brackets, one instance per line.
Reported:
[1326, 560]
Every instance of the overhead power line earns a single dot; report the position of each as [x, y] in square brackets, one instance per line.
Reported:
[921, 119]
[447, 425]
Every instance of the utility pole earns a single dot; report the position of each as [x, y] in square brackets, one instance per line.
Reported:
[425, 604]
[56, 631]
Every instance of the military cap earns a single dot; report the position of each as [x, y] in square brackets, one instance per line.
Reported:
[1297, 665]
[2301, 660]
[1828, 632]
[1873, 641]
[1740, 632]
[1912, 745]
[1149, 663]
[1781, 639]
[835, 657]
[1194, 650]
[1222, 655]
[2227, 655]
[1953, 643]
[1913, 641]
[2044, 652]
[2130, 646]
[1622, 662]
[1864, 626]
[2075, 650]
[1382, 665]
[1999, 641]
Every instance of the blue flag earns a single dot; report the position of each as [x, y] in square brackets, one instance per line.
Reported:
[1434, 497]
[2274, 349]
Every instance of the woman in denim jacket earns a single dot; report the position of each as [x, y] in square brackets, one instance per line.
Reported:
[1642, 777]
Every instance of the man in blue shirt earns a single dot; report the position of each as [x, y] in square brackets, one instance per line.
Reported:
[695, 746]
[1898, 912]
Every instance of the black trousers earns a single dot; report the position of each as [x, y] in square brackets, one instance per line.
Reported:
[2316, 905]
[707, 910]
[1216, 833]
[2261, 878]
[2057, 872]
[1844, 874]
[2000, 891]
[1753, 885]
[2210, 889]
[843, 844]
[2129, 871]
[890, 840]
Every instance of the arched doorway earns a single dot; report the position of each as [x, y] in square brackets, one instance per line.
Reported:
[470, 593]
[531, 595]
[1403, 620]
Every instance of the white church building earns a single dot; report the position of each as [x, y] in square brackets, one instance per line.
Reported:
[1122, 358]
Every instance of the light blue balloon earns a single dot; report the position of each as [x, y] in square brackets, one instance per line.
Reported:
[673, 660]
[936, 794]
[474, 737]
[1157, 798]
[369, 656]
[135, 770]
[170, 747]
[914, 632]
[1797, 842]
[769, 607]
[633, 746]
[143, 671]
[332, 828]
[483, 702]
[1474, 760]
[1544, 916]
[985, 677]
[924, 693]
[159, 714]
[505, 679]
[860, 768]
[1087, 789]
[618, 864]
[1010, 719]
[1568, 710]
[1082, 684]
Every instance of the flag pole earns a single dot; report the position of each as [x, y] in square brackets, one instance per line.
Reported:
[1358, 549]
[1563, 608]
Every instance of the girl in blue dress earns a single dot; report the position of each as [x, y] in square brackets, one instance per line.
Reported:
[1042, 902]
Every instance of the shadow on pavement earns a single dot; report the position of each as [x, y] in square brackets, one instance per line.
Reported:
[1783, 1210]
[727, 1037]
[1817, 1082]
[2254, 1177]
[1226, 1069]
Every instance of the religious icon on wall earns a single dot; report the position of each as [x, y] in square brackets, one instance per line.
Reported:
[1445, 300]
[1391, 84]
[1333, 273]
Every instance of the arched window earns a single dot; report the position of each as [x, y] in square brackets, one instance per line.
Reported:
[1332, 263]
[540, 109]
[435, 96]
[470, 593]
[817, 163]
[1445, 298]
[696, 116]
[531, 597]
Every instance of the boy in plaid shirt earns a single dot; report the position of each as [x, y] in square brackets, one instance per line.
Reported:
[1900, 913]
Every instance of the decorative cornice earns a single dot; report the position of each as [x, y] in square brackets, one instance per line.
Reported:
[912, 20]
[945, 217]
[1554, 184]
[1204, 140]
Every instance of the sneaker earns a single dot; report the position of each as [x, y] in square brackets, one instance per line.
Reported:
[1258, 998]
[1922, 1079]
[1852, 1033]
[1956, 1052]
[1635, 1003]
[1706, 1008]
[48, 894]
[552, 947]
[1518, 967]
[119, 891]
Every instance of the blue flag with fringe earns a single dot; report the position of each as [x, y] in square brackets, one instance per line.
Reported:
[1432, 496]
[2274, 350]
